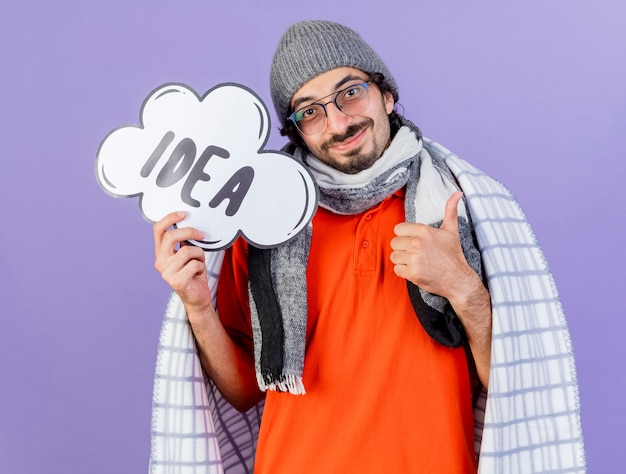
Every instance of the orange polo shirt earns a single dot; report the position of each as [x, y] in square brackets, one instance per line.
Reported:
[382, 396]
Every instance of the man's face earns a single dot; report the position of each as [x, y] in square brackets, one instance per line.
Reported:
[347, 143]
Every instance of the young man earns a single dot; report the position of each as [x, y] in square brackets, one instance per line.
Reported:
[366, 334]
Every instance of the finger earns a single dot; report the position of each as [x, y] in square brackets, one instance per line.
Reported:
[159, 228]
[399, 257]
[181, 279]
[451, 213]
[186, 263]
[187, 254]
[174, 238]
[403, 243]
[409, 229]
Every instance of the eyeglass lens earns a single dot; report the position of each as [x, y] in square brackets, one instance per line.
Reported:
[351, 101]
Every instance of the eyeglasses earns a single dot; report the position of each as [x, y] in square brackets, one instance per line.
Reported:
[352, 100]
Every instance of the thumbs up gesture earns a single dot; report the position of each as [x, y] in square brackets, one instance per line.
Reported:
[432, 258]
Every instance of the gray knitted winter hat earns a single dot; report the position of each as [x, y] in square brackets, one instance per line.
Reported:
[310, 48]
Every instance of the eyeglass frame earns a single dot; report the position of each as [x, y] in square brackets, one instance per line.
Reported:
[292, 116]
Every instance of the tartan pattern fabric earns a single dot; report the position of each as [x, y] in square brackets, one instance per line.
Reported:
[532, 415]
[194, 429]
[528, 421]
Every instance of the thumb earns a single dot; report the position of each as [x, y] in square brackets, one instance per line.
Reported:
[451, 213]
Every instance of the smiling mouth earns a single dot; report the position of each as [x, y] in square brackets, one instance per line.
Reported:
[348, 140]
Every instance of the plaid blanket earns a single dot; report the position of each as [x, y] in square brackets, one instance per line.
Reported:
[528, 422]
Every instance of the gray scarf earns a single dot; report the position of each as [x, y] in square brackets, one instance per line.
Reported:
[277, 281]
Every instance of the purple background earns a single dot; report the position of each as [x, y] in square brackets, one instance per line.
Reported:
[532, 92]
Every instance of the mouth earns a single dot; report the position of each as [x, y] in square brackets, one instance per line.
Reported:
[353, 138]
[350, 143]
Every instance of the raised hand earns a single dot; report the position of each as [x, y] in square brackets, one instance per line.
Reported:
[433, 260]
[182, 266]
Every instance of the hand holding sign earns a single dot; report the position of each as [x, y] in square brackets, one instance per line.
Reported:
[205, 156]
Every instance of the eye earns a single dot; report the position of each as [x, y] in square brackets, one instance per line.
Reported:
[353, 92]
[308, 113]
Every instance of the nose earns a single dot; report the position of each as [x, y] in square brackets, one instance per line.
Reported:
[336, 120]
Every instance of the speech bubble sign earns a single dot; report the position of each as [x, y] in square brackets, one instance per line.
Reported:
[205, 155]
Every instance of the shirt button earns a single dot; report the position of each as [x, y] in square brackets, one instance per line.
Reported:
[368, 217]
[365, 244]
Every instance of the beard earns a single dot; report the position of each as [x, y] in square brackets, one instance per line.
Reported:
[357, 161]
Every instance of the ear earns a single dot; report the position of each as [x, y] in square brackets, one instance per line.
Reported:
[389, 102]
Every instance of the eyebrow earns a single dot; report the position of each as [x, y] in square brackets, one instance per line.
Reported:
[338, 85]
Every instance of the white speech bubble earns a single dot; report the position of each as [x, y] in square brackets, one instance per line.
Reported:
[205, 155]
